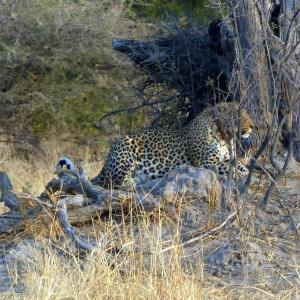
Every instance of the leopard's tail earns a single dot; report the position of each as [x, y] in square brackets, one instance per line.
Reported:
[64, 161]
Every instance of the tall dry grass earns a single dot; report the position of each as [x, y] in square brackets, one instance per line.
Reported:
[51, 277]
[137, 269]
[29, 172]
[140, 270]
[147, 273]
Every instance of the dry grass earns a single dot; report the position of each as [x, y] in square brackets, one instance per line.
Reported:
[139, 269]
[30, 173]
[51, 277]
[132, 274]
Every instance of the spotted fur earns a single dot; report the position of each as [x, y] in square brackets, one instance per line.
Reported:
[152, 153]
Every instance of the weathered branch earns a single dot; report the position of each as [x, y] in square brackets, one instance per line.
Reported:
[280, 173]
[253, 160]
[89, 201]
[137, 107]
[185, 60]
[102, 198]
[61, 210]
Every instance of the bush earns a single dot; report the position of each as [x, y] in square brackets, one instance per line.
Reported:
[57, 66]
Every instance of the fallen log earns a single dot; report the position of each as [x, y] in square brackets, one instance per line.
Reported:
[77, 200]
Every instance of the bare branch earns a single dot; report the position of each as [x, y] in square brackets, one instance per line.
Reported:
[61, 210]
[280, 173]
[198, 238]
[133, 109]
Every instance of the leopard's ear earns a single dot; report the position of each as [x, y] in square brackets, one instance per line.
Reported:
[223, 130]
[225, 134]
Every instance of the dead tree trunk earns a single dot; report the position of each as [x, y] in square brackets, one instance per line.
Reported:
[267, 55]
[267, 62]
[251, 56]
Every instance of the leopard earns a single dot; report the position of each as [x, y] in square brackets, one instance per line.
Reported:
[207, 141]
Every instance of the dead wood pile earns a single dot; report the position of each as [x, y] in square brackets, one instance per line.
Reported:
[72, 199]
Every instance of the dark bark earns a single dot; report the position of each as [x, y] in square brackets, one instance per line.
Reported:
[268, 47]
[195, 62]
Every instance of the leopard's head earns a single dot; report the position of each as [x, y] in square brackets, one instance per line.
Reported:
[246, 124]
[228, 117]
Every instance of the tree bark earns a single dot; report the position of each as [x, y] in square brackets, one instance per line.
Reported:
[267, 54]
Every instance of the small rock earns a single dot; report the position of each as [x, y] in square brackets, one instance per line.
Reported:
[189, 182]
[220, 256]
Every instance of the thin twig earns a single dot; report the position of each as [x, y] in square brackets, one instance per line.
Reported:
[132, 109]
[253, 160]
[280, 173]
[193, 240]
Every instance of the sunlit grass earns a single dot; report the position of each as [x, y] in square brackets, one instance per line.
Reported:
[137, 269]
[132, 262]
[29, 173]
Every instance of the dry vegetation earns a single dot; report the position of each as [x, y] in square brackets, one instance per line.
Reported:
[29, 174]
[58, 71]
[142, 255]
